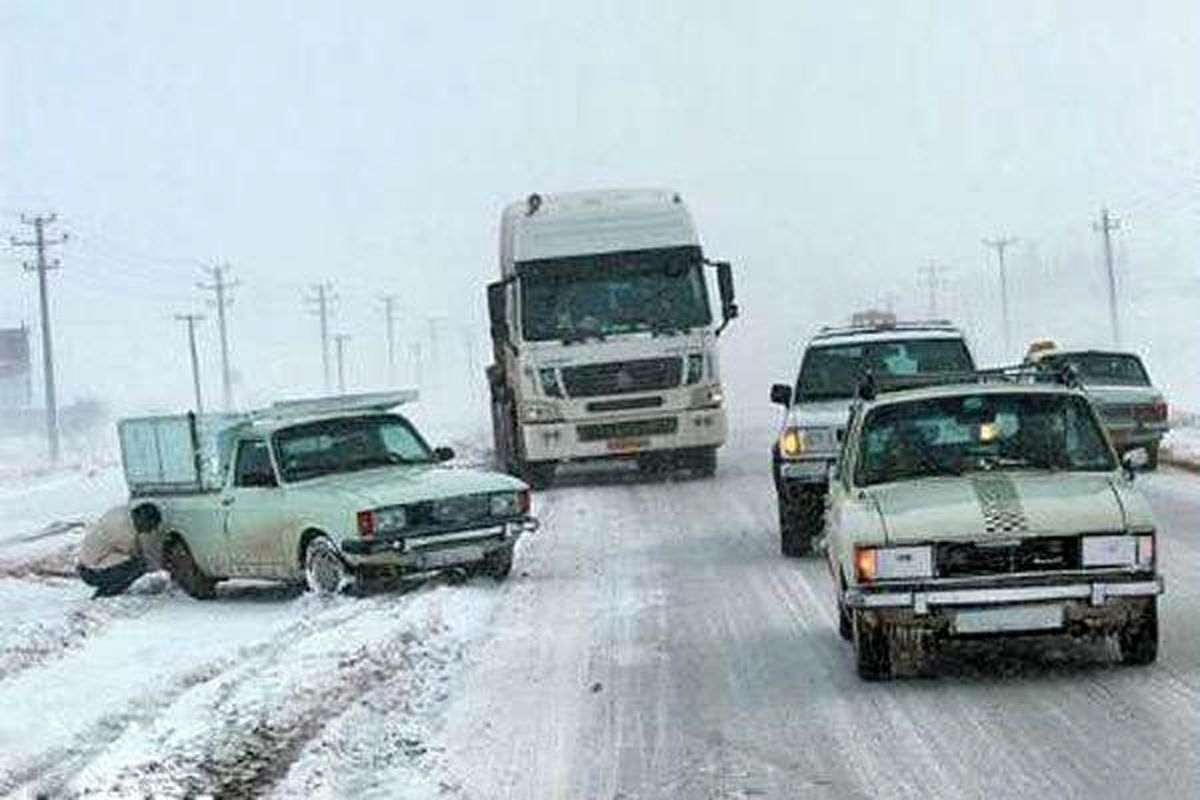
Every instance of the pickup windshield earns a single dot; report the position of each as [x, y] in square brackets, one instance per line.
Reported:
[833, 372]
[980, 432]
[590, 297]
[1106, 369]
[348, 445]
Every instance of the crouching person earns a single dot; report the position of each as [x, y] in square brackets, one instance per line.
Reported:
[112, 557]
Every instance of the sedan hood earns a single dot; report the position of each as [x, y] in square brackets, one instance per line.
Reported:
[390, 486]
[998, 505]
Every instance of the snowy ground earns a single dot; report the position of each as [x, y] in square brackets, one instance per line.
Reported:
[1182, 445]
[651, 644]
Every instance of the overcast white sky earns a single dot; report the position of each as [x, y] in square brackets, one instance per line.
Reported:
[828, 152]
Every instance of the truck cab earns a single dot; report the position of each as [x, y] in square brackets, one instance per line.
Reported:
[604, 336]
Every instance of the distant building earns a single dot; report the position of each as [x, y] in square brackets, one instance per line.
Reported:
[16, 373]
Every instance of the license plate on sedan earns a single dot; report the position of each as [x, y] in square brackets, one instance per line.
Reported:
[1011, 619]
[628, 445]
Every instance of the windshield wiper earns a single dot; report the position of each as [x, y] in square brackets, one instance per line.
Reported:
[1014, 462]
[576, 337]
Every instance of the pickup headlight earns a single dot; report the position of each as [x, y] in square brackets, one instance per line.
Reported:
[794, 442]
[548, 376]
[540, 412]
[1120, 550]
[893, 563]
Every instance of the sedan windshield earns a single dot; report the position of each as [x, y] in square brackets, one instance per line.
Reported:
[584, 297]
[966, 433]
[833, 372]
[347, 445]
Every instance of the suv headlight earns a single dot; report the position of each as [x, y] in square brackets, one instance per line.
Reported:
[1118, 550]
[548, 376]
[794, 442]
[893, 563]
[390, 519]
[535, 411]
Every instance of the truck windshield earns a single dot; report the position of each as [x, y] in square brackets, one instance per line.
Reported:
[966, 433]
[1112, 369]
[594, 296]
[833, 372]
[348, 445]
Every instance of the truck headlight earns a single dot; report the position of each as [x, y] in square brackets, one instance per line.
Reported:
[505, 504]
[540, 412]
[548, 376]
[795, 442]
[893, 563]
[1110, 551]
[695, 368]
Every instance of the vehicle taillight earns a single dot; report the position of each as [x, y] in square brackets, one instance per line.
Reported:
[366, 524]
[1156, 412]
[1145, 550]
[524, 501]
[864, 564]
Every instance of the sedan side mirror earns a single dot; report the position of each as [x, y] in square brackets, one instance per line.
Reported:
[781, 395]
[1135, 460]
[443, 454]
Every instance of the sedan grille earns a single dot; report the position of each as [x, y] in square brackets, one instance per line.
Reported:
[450, 511]
[1043, 554]
[634, 429]
[622, 377]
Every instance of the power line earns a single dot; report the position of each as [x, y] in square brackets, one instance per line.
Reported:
[1000, 244]
[320, 304]
[1106, 226]
[220, 287]
[40, 242]
[191, 320]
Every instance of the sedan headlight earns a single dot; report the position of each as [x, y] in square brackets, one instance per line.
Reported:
[893, 563]
[540, 412]
[1114, 551]
[794, 442]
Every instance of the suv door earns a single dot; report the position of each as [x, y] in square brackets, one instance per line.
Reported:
[255, 517]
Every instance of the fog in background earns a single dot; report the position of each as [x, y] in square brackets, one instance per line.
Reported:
[828, 152]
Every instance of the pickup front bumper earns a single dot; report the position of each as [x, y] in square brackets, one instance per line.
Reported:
[436, 548]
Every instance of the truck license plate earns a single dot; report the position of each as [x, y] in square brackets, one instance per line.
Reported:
[1014, 619]
[627, 445]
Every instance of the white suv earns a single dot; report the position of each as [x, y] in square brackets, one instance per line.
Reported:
[817, 407]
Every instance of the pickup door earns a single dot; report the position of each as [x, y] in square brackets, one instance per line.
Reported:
[255, 517]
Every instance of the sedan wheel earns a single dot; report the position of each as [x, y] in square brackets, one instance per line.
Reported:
[325, 572]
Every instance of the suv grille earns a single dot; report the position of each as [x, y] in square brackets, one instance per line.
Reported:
[627, 430]
[1046, 554]
[622, 377]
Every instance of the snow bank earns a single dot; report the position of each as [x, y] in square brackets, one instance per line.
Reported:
[1182, 445]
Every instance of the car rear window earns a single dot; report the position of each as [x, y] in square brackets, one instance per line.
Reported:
[834, 371]
[1116, 369]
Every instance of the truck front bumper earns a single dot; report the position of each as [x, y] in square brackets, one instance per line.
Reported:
[597, 437]
[445, 547]
[1076, 606]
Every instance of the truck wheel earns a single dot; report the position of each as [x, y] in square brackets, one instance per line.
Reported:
[703, 462]
[1139, 637]
[801, 519]
[538, 474]
[325, 572]
[186, 574]
[498, 564]
[872, 650]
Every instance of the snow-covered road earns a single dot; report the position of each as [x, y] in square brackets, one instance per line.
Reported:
[651, 644]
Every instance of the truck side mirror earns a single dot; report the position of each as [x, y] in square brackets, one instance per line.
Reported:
[729, 308]
[781, 395]
[498, 310]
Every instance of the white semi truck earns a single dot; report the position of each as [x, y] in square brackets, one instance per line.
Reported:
[604, 339]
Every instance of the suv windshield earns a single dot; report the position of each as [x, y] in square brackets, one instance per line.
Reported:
[834, 371]
[347, 445]
[594, 296]
[1114, 369]
[965, 433]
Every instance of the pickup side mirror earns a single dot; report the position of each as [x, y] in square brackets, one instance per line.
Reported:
[1135, 460]
[443, 454]
[497, 301]
[781, 395]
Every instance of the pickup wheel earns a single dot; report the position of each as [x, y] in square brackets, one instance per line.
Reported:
[801, 518]
[497, 564]
[186, 574]
[1139, 637]
[325, 572]
[872, 650]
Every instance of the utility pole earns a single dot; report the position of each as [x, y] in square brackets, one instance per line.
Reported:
[389, 311]
[1106, 226]
[1000, 244]
[933, 276]
[320, 302]
[40, 243]
[220, 287]
[191, 320]
[341, 340]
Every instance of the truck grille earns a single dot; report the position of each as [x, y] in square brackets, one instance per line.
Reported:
[627, 430]
[598, 406]
[622, 377]
[1043, 554]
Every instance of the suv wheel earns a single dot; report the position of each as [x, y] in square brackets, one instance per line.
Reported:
[872, 650]
[1139, 637]
[325, 572]
[801, 518]
[186, 574]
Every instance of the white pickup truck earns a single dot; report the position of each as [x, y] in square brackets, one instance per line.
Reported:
[323, 491]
